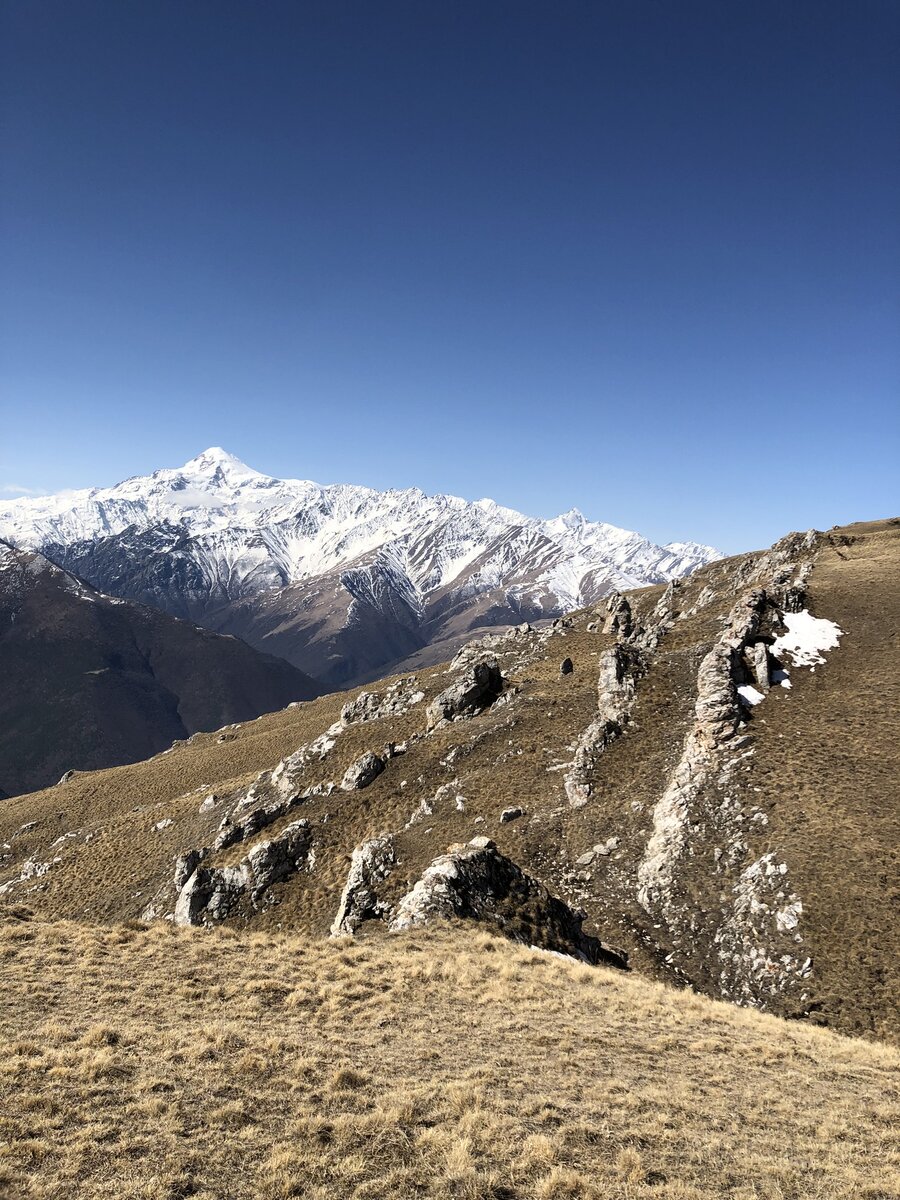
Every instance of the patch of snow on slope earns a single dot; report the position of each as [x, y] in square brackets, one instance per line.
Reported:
[806, 639]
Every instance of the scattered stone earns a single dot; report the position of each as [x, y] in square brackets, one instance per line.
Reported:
[565, 667]
[510, 814]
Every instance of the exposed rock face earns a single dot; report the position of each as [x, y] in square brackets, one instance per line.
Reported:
[476, 881]
[619, 666]
[364, 771]
[213, 893]
[236, 827]
[284, 779]
[478, 688]
[717, 715]
[370, 865]
[186, 865]
[747, 911]
[271, 861]
[618, 620]
[373, 706]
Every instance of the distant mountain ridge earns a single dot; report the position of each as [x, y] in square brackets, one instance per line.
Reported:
[341, 580]
[93, 681]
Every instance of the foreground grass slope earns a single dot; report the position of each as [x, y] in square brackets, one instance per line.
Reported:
[158, 1063]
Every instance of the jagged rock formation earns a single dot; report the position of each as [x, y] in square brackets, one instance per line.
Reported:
[473, 691]
[754, 935]
[370, 865]
[237, 826]
[375, 706]
[214, 893]
[477, 882]
[619, 669]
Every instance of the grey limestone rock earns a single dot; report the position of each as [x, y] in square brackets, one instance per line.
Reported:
[476, 689]
[370, 865]
[475, 881]
[362, 772]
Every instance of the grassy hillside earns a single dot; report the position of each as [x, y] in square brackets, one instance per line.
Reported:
[156, 1063]
[813, 789]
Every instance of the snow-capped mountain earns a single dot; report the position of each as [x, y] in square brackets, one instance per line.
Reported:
[312, 572]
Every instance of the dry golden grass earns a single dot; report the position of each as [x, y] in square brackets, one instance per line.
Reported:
[157, 1063]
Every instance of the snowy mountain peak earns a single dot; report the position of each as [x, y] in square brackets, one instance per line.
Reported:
[216, 459]
[219, 532]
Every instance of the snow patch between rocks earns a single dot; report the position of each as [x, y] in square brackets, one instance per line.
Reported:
[806, 639]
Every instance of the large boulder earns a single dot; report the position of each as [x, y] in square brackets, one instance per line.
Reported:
[362, 772]
[476, 689]
[477, 882]
[370, 865]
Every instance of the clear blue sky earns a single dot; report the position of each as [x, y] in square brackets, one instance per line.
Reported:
[638, 257]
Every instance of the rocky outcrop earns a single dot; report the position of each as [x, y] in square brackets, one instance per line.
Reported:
[475, 690]
[214, 893]
[238, 827]
[287, 777]
[747, 911]
[370, 865]
[618, 619]
[364, 771]
[618, 668]
[373, 706]
[477, 882]
[717, 716]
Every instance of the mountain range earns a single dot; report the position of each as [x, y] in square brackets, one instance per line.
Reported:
[345, 582]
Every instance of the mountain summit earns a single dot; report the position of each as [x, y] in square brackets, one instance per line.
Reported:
[342, 580]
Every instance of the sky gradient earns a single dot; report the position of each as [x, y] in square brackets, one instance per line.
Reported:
[639, 258]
